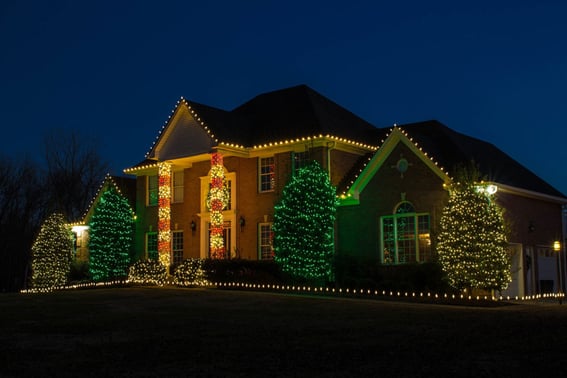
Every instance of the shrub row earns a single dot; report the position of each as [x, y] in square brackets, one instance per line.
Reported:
[360, 274]
[349, 273]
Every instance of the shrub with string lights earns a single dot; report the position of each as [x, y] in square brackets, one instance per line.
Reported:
[303, 225]
[472, 245]
[150, 272]
[51, 254]
[110, 237]
[190, 273]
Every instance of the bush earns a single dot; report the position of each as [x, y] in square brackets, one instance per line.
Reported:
[368, 274]
[190, 273]
[245, 271]
[148, 272]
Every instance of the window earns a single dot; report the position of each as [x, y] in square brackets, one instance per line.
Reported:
[405, 236]
[153, 192]
[177, 186]
[228, 187]
[151, 245]
[177, 247]
[265, 241]
[228, 192]
[299, 160]
[267, 179]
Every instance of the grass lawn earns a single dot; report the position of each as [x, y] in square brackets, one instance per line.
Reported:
[149, 331]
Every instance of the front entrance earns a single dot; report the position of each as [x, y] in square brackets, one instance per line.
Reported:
[227, 236]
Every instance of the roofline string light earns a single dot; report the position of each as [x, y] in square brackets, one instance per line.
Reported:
[313, 138]
[193, 113]
[196, 116]
[108, 177]
[344, 194]
[164, 213]
[141, 167]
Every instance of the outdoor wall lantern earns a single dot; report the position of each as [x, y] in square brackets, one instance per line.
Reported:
[242, 221]
[193, 225]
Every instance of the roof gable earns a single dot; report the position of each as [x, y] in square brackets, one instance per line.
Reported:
[351, 191]
[184, 134]
[124, 185]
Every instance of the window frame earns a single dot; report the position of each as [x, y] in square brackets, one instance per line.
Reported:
[418, 241]
[299, 160]
[177, 195]
[269, 185]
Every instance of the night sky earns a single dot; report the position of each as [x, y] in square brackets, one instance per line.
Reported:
[495, 70]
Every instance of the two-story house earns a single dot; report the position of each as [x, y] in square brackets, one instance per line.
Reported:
[391, 183]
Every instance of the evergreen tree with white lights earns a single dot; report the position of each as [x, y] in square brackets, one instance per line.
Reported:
[110, 236]
[472, 245]
[51, 253]
[303, 225]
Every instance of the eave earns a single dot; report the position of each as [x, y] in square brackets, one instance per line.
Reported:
[530, 194]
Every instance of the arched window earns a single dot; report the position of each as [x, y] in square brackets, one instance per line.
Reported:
[405, 236]
[404, 207]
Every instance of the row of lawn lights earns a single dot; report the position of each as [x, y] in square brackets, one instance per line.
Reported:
[82, 285]
[309, 289]
[375, 293]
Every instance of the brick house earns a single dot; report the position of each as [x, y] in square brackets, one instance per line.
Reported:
[382, 176]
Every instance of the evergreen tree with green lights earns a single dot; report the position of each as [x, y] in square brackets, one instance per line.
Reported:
[51, 253]
[110, 236]
[303, 226]
[472, 243]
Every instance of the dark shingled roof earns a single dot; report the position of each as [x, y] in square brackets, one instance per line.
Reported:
[226, 126]
[301, 112]
[450, 149]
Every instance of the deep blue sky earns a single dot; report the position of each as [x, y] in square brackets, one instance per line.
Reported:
[495, 70]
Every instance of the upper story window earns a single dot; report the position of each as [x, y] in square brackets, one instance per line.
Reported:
[152, 190]
[177, 186]
[266, 170]
[229, 183]
[299, 160]
[405, 236]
